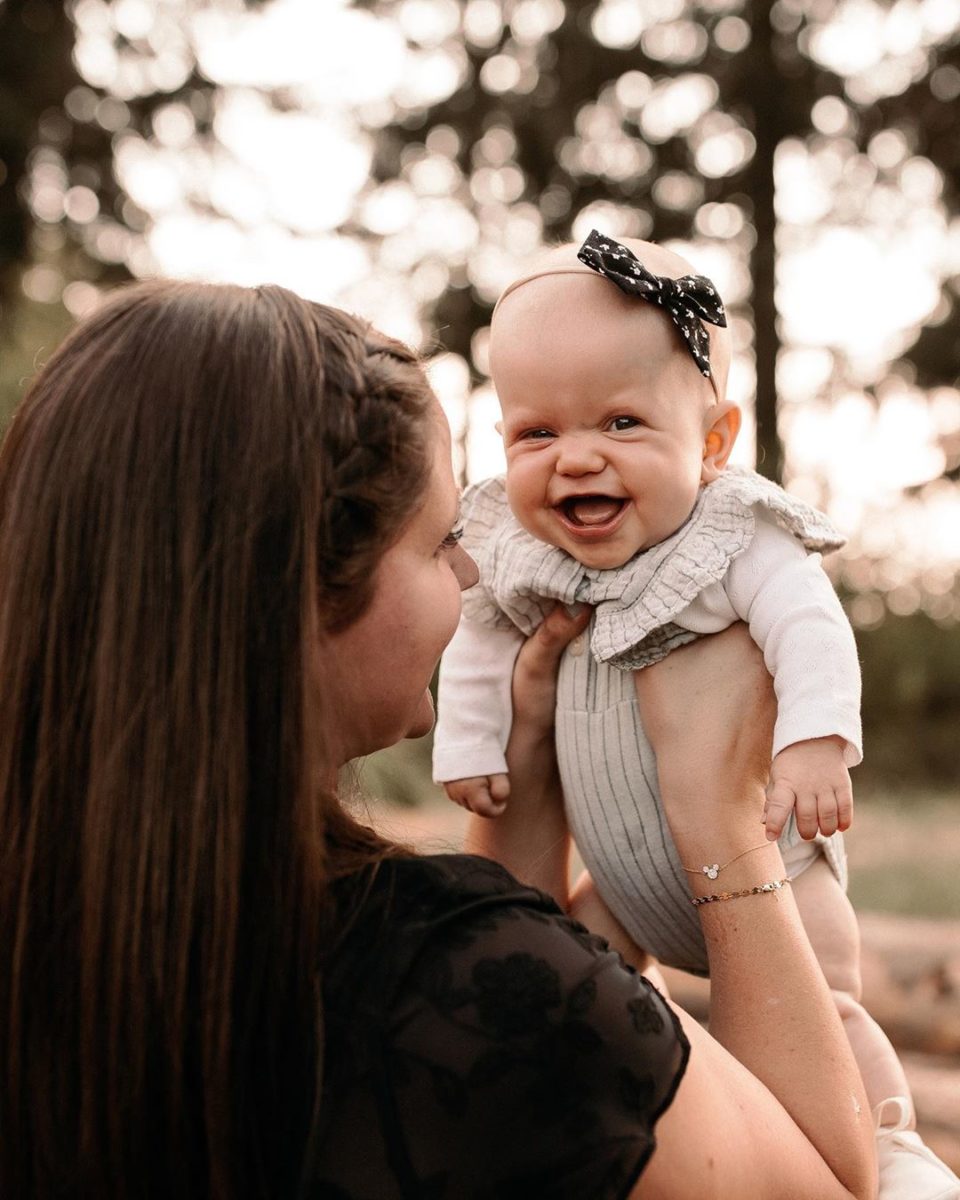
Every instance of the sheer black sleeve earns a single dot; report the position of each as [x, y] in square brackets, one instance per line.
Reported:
[519, 1056]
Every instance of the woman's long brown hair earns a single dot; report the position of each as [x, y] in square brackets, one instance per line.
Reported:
[197, 486]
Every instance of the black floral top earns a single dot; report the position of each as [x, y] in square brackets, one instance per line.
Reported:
[479, 1044]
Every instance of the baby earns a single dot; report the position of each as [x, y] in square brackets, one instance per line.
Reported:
[611, 367]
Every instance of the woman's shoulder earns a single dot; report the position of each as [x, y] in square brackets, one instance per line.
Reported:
[439, 877]
[425, 888]
[408, 901]
[499, 1013]
[418, 920]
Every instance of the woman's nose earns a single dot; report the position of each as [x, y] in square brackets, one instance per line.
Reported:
[579, 454]
[465, 569]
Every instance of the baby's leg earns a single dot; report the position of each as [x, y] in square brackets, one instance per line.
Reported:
[831, 925]
[587, 907]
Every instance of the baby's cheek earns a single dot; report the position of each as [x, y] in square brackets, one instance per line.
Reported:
[527, 498]
[517, 495]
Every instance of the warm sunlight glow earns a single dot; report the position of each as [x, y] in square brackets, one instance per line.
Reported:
[303, 87]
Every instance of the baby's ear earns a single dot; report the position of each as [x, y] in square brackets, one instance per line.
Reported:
[498, 426]
[722, 426]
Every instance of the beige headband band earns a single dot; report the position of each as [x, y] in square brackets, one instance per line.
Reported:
[571, 269]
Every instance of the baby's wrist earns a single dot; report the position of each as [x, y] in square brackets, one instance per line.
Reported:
[826, 744]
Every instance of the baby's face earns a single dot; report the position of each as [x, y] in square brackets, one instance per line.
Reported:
[604, 418]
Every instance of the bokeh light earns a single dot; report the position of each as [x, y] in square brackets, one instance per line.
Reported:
[281, 176]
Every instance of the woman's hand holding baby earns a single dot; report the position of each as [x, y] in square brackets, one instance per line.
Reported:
[530, 836]
[709, 710]
[534, 702]
[810, 778]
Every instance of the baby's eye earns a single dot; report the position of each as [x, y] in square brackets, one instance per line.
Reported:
[536, 434]
[619, 424]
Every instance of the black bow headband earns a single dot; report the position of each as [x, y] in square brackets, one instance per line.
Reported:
[689, 300]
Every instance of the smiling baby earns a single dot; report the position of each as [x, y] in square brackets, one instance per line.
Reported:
[611, 368]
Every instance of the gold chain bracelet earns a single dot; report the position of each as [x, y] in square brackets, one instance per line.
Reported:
[773, 886]
[712, 870]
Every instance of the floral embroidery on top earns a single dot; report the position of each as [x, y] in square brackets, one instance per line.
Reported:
[480, 1044]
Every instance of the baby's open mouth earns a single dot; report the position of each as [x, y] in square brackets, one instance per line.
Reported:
[590, 510]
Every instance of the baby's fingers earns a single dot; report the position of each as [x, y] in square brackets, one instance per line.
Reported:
[498, 793]
[779, 804]
[484, 795]
[459, 790]
[827, 812]
[834, 809]
[807, 814]
[486, 805]
[844, 806]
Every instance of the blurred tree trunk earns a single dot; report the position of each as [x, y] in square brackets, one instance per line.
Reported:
[36, 73]
[770, 127]
[766, 85]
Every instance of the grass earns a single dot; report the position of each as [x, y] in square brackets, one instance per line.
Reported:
[904, 853]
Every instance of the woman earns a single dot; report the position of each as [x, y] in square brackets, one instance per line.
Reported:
[227, 567]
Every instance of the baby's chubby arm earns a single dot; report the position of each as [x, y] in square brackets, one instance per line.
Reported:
[474, 716]
[808, 646]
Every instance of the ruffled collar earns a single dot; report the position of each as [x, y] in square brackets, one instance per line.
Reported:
[523, 577]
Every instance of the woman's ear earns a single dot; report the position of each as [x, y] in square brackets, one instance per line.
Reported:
[723, 425]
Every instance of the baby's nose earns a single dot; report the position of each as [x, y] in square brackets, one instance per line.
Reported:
[579, 454]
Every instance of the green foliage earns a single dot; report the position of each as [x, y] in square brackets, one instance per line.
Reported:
[555, 112]
[911, 702]
[37, 73]
[903, 850]
[400, 775]
[28, 335]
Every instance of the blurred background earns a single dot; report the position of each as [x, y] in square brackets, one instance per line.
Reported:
[402, 158]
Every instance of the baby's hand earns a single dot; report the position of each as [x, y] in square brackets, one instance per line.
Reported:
[485, 795]
[812, 777]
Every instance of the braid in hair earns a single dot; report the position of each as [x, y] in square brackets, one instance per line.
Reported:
[376, 446]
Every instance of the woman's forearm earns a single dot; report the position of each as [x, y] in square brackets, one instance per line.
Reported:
[771, 1008]
[709, 710]
[530, 838]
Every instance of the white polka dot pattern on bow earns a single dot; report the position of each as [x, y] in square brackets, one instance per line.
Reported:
[689, 300]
